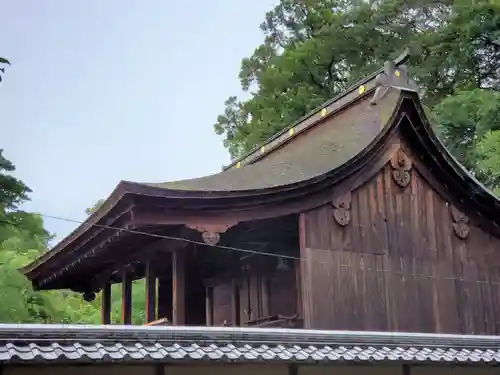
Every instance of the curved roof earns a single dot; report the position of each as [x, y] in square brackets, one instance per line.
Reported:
[331, 142]
[316, 151]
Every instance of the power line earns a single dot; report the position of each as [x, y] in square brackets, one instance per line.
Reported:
[263, 253]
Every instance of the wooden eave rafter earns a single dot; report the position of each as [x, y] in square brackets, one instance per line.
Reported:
[92, 230]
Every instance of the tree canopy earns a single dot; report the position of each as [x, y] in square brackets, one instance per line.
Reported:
[3, 61]
[313, 50]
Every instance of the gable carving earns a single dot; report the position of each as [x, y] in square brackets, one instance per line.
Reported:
[210, 232]
[401, 165]
[342, 209]
[460, 223]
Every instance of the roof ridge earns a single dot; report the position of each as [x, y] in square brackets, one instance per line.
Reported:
[401, 59]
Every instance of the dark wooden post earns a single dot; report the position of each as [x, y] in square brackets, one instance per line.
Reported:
[106, 304]
[298, 286]
[126, 299]
[209, 305]
[305, 273]
[165, 296]
[178, 288]
[150, 293]
[235, 303]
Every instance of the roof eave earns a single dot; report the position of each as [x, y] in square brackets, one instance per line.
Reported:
[118, 193]
[228, 199]
[436, 149]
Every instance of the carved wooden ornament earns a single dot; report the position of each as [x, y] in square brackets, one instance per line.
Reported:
[342, 209]
[210, 233]
[402, 166]
[460, 223]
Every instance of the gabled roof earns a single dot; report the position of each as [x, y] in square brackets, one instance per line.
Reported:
[333, 143]
[140, 344]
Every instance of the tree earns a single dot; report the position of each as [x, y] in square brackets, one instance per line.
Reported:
[12, 192]
[3, 61]
[312, 50]
[468, 122]
[488, 154]
[95, 207]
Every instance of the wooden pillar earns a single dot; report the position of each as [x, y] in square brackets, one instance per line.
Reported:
[165, 296]
[235, 303]
[306, 272]
[126, 299]
[209, 305]
[178, 288]
[150, 293]
[298, 286]
[106, 304]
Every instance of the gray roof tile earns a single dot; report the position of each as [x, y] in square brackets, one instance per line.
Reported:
[48, 343]
[131, 352]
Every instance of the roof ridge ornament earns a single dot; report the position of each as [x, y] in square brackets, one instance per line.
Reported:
[394, 76]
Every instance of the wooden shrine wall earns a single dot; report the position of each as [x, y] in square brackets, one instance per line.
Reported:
[398, 265]
[265, 295]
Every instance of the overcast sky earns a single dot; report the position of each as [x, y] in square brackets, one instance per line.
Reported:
[103, 91]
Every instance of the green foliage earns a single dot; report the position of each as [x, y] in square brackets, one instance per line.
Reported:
[21, 245]
[95, 207]
[465, 121]
[3, 61]
[20, 304]
[313, 50]
[12, 193]
[488, 156]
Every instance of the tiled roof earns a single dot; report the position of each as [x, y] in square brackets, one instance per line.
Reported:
[20, 343]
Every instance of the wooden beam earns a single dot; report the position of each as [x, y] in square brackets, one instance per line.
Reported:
[150, 292]
[178, 288]
[147, 253]
[126, 298]
[106, 304]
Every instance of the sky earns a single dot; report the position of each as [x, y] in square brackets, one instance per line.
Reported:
[103, 91]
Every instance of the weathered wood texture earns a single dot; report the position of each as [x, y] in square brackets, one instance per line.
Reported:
[399, 264]
[106, 304]
[259, 296]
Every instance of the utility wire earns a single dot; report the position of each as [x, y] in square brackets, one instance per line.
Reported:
[262, 253]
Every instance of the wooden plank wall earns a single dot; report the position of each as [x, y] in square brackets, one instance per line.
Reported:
[269, 295]
[398, 266]
[222, 304]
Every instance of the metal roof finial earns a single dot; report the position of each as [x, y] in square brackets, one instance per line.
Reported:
[395, 75]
